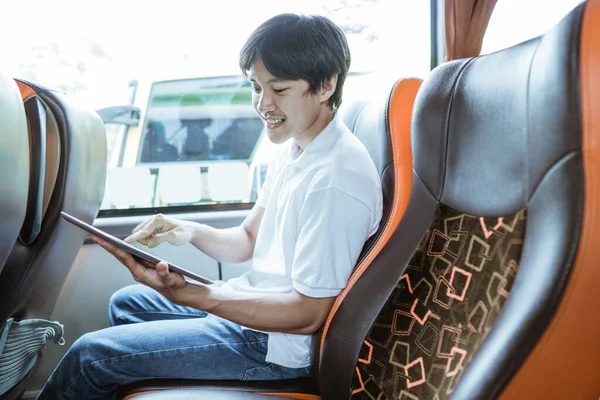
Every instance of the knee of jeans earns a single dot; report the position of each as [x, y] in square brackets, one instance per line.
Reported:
[85, 349]
[120, 303]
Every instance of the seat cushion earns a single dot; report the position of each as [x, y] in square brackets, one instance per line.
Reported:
[302, 386]
[195, 394]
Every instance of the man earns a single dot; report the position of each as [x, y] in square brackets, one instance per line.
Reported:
[321, 201]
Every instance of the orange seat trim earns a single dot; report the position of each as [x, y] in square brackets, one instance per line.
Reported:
[26, 91]
[295, 396]
[131, 396]
[400, 115]
[565, 363]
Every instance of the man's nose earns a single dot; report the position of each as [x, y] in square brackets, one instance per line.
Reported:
[265, 103]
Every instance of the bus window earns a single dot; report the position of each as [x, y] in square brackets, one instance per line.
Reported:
[200, 120]
[526, 18]
[187, 118]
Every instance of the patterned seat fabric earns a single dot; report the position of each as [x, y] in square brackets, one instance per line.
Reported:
[442, 308]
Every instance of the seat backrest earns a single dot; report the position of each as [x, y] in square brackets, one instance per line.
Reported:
[14, 166]
[383, 126]
[490, 279]
[73, 181]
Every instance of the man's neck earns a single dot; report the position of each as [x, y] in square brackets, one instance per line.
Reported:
[317, 127]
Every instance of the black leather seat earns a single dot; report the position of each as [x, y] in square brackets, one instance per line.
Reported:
[14, 166]
[383, 125]
[69, 144]
[496, 257]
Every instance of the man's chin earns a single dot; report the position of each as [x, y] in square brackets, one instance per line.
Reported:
[276, 137]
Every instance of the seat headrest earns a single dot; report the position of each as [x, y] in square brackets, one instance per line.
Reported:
[486, 130]
[366, 119]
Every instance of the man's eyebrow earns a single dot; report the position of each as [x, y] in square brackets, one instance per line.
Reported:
[272, 80]
[277, 80]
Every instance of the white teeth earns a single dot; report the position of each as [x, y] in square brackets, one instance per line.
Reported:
[274, 121]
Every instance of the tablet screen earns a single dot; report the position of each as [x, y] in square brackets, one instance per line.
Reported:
[134, 251]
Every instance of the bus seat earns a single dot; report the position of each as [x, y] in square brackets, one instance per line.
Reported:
[14, 166]
[182, 394]
[69, 146]
[383, 125]
[497, 281]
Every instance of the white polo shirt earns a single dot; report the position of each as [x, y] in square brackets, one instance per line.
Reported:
[321, 205]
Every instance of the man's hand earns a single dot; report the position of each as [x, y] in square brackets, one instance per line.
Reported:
[158, 277]
[159, 228]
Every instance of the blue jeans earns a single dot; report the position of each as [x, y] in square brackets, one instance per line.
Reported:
[152, 338]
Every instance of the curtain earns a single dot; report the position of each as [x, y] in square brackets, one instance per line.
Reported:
[465, 25]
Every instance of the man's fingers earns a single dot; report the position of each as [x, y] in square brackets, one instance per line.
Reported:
[141, 235]
[145, 241]
[158, 238]
[156, 276]
[135, 237]
[138, 271]
[162, 269]
[166, 277]
[141, 225]
[156, 221]
[141, 231]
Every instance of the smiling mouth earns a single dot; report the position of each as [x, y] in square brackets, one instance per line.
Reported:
[274, 123]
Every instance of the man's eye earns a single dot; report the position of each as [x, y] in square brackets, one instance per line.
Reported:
[256, 89]
[279, 91]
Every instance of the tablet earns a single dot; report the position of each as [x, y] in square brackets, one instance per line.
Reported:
[134, 251]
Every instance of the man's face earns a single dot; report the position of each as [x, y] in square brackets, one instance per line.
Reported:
[286, 107]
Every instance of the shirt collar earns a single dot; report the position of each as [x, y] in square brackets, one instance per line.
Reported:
[319, 146]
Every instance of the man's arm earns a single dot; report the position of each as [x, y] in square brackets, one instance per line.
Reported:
[273, 312]
[233, 245]
[225, 245]
[287, 313]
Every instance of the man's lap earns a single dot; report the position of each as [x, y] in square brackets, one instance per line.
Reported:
[139, 303]
[150, 323]
[155, 339]
[147, 323]
[199, 348]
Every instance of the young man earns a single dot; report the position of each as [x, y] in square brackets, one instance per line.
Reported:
[321, 201]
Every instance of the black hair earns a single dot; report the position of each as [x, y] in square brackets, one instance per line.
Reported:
[300, 47]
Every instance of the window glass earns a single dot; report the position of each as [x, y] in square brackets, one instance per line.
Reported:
[114, 142]
[203, 120]
[515, 21]
[178, 62]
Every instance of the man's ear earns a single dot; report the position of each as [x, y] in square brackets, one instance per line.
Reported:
[328, 88]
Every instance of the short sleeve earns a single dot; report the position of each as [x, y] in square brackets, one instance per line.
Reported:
[333, 228]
